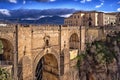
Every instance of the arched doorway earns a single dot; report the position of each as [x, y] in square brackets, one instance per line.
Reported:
[47, 68]
[6, 52]
[74, 41]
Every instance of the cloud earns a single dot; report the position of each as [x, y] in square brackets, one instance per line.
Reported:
[10, 1]
[118, 9]
[102, 1]
[29, 18]
[24, 2]
[101, 4]
[5, 12]
[34, 13]
[83, 1]
[52, 0]
[45, 0]
[98, 6]
[88, 0]
[13, 1]
[118, 2]
[66, 15]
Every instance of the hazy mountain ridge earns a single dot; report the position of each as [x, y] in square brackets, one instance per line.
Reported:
[44, 20]
[35, 16]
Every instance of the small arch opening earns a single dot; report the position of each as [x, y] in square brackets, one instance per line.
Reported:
[47, 42]
[74, 41]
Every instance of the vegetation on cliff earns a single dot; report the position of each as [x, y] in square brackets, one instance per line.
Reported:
[4, 74]
[100, 59]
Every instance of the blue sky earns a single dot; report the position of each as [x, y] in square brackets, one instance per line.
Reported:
[36, 9]
[100, 5]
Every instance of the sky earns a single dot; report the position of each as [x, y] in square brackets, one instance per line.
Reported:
[100, 5]
[22, 8]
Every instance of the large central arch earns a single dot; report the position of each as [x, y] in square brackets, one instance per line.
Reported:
[47, 68]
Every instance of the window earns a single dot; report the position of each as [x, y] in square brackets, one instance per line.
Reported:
[90, 19]
[74, 17]
[73, 41]
[47, 42]
[90, 24]
[97, 22]
[76, 22]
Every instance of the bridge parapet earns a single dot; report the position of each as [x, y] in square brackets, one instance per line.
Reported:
[52, 27]
[7, 28]
[113, 28]
[48, 27]
[70, 27]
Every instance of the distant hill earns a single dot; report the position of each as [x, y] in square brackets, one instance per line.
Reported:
[51, 20]
[44, 20]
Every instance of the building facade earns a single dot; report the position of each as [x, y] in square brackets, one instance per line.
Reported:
[90, 18]
[109, 19]
[118, 19]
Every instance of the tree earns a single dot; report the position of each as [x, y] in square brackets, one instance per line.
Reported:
[4, 75]
[98, 56]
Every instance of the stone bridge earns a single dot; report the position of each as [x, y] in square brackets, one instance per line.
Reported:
[45, 52]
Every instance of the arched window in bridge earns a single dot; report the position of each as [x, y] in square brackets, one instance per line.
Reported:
[74, 41]
[47, 41]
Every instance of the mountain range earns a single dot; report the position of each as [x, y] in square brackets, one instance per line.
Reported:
[35, 16]
[44, 20]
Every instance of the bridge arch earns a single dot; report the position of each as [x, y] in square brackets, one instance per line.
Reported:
[47, 68]
[50, 53]
[74, 41]
[6, 51]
